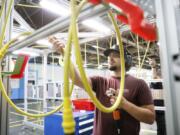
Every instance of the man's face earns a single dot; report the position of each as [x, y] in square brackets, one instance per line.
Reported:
[114, 61]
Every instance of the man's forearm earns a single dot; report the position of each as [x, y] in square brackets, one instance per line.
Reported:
[77, 78]
[141, 114]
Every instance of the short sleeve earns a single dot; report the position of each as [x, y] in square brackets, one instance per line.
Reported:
[94, 82]
[98, 83]
[144, 95]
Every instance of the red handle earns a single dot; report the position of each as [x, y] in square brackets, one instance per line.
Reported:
[21, 74]
[134, 16]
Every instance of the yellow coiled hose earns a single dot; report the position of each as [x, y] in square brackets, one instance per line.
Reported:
[68, 121]
[3, 51]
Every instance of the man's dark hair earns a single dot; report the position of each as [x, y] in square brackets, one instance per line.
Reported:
[127, 57]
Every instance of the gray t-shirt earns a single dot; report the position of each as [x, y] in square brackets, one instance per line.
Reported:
[136, 91]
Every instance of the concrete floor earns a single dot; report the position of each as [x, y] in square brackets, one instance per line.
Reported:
[16, 121]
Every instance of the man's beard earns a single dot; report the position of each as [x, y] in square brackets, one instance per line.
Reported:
[113, 68]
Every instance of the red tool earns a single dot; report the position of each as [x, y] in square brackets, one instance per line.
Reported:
[117, 119]
[21, 66]
[132, 15]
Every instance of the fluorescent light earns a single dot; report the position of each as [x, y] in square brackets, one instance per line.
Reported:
[54, 7]
[96, 25]
[14, 35]
[44, 42]
[158, 43]
[27, 51]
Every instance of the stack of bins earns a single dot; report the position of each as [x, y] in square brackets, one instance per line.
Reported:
[157, 92]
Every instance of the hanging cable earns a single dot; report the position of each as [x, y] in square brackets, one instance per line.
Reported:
[144, 57]
[68, 121]
[139, 57]
[85, 54]
[111, 40]
[3, 50]
[2, 8]
[6, 22]
[147, 49]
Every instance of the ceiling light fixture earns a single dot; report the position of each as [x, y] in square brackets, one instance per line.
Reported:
[54, 7]
[96, 25]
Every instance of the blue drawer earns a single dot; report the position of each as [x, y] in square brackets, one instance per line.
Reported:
[84, 123]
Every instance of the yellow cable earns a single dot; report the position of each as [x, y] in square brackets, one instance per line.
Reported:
[17, 108]
[139, 57]
[4, 49]
[121, 50]
[6, 22]
[68, 121]
[83, 75]
[144, 57]
[111, 40]
[2, 8]
[85, 54]
[148, 44]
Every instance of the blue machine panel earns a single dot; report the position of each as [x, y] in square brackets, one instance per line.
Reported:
[18, 93]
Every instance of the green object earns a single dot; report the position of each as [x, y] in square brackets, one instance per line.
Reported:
[17, 67]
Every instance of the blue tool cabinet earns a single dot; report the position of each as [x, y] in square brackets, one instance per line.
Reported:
[84, 123]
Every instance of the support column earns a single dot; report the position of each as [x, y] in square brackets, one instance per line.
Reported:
[4, 108]
[169, 46]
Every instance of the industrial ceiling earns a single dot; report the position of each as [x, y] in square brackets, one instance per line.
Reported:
[35, 17]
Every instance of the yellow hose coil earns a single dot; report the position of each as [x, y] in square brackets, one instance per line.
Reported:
[68, 121]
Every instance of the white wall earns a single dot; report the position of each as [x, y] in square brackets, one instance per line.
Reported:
[35, 72]
[55, 73]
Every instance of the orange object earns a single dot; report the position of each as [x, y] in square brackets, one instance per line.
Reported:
[116, 115]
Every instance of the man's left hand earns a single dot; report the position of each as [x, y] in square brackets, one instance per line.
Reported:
[112, 93]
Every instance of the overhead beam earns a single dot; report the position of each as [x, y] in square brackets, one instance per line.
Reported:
[57, 25]
[21, 21]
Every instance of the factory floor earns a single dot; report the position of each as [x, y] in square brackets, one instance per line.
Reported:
[19, 126]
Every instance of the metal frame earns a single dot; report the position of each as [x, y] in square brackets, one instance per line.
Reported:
[21, 21]
[168, 38]
[45, 81]
[4, 108]
[167, 24]
[58, 25]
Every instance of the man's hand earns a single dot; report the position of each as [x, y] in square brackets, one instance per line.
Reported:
[152, 62]
[112, 93]
[57, 44]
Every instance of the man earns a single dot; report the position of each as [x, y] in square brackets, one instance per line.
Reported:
[136, 105]
[156, 74]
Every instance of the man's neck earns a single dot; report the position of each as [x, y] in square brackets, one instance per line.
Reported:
[116, 73]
